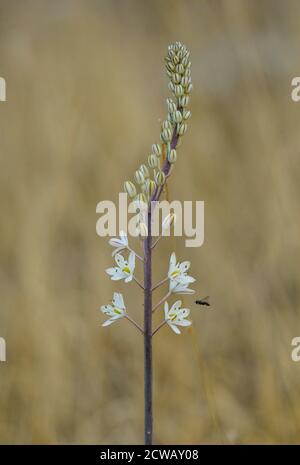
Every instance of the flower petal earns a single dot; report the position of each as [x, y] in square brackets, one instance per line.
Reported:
[120, 260]
[131, 261]
[175, 329]
[108, 322]
[183, 323]
[166, 309]
[172, 261]
[176, 306]
[115, 242]
[184, 266]
[123, 238]
[118, 300]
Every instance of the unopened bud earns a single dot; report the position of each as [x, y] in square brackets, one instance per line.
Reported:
[160, 178]
[130, 188]
[185, 81]
[171, 86]
[166, 135]
[180, 68]
[144, 170]
[141, 198]
[151, 187]
[181, 129]
[172, 156]
[139, 177]
[156, 149]
[189, 88]
[152, 161]
[184, 101]
[166, 125]
[178, 91]
[177, 116]
[186, 114]
[171, 105]
[176, 78]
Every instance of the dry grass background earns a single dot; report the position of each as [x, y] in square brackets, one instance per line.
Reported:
[86, 89]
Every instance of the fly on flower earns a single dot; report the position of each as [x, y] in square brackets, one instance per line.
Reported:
[176, 316]
[115, 311]
[179, 279]
[119, 244]
[124, 270]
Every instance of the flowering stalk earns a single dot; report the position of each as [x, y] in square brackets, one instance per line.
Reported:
[151, 181]
[148, 416]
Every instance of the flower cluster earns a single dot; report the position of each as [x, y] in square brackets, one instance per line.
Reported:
[176, 316]
[179, 279]
[147, 185]
[115, 311]
[177, 276]
[149, 178]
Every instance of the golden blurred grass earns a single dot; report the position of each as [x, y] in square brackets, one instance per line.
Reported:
[86, 90]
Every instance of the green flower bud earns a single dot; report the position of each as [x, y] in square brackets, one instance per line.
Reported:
[184, 101]
[172, 156]
[189, 88]
[141, 198]
[171, 86]
[170, 66]
[185, 61]
[185, 81]
[156, 149]
[151, 187]
[160, 178]
[180, 68]
[171, 105]
[145, 171]
[176, 78]
[166, 125]
[130, 188]
[187, 73]
[178, 91]
[166, 135]
[139, 177]
[152, 161]
[186, 114]
[177, 116]
[181, 129]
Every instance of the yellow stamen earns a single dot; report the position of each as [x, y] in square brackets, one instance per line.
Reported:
[175, 273]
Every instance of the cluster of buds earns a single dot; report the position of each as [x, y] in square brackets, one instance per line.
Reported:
[179, 72]
[152, 177]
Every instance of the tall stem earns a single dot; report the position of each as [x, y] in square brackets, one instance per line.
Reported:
[148, 333]
[148, 310]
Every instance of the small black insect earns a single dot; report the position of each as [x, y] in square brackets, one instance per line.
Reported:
[203, 301]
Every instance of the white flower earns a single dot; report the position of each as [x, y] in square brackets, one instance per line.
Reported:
[180, 288]
[119, 244]
[176, 316]
[115, 311]
[125, 268]
[179, 279]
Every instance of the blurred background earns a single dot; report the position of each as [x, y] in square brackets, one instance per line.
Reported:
[86, 91]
